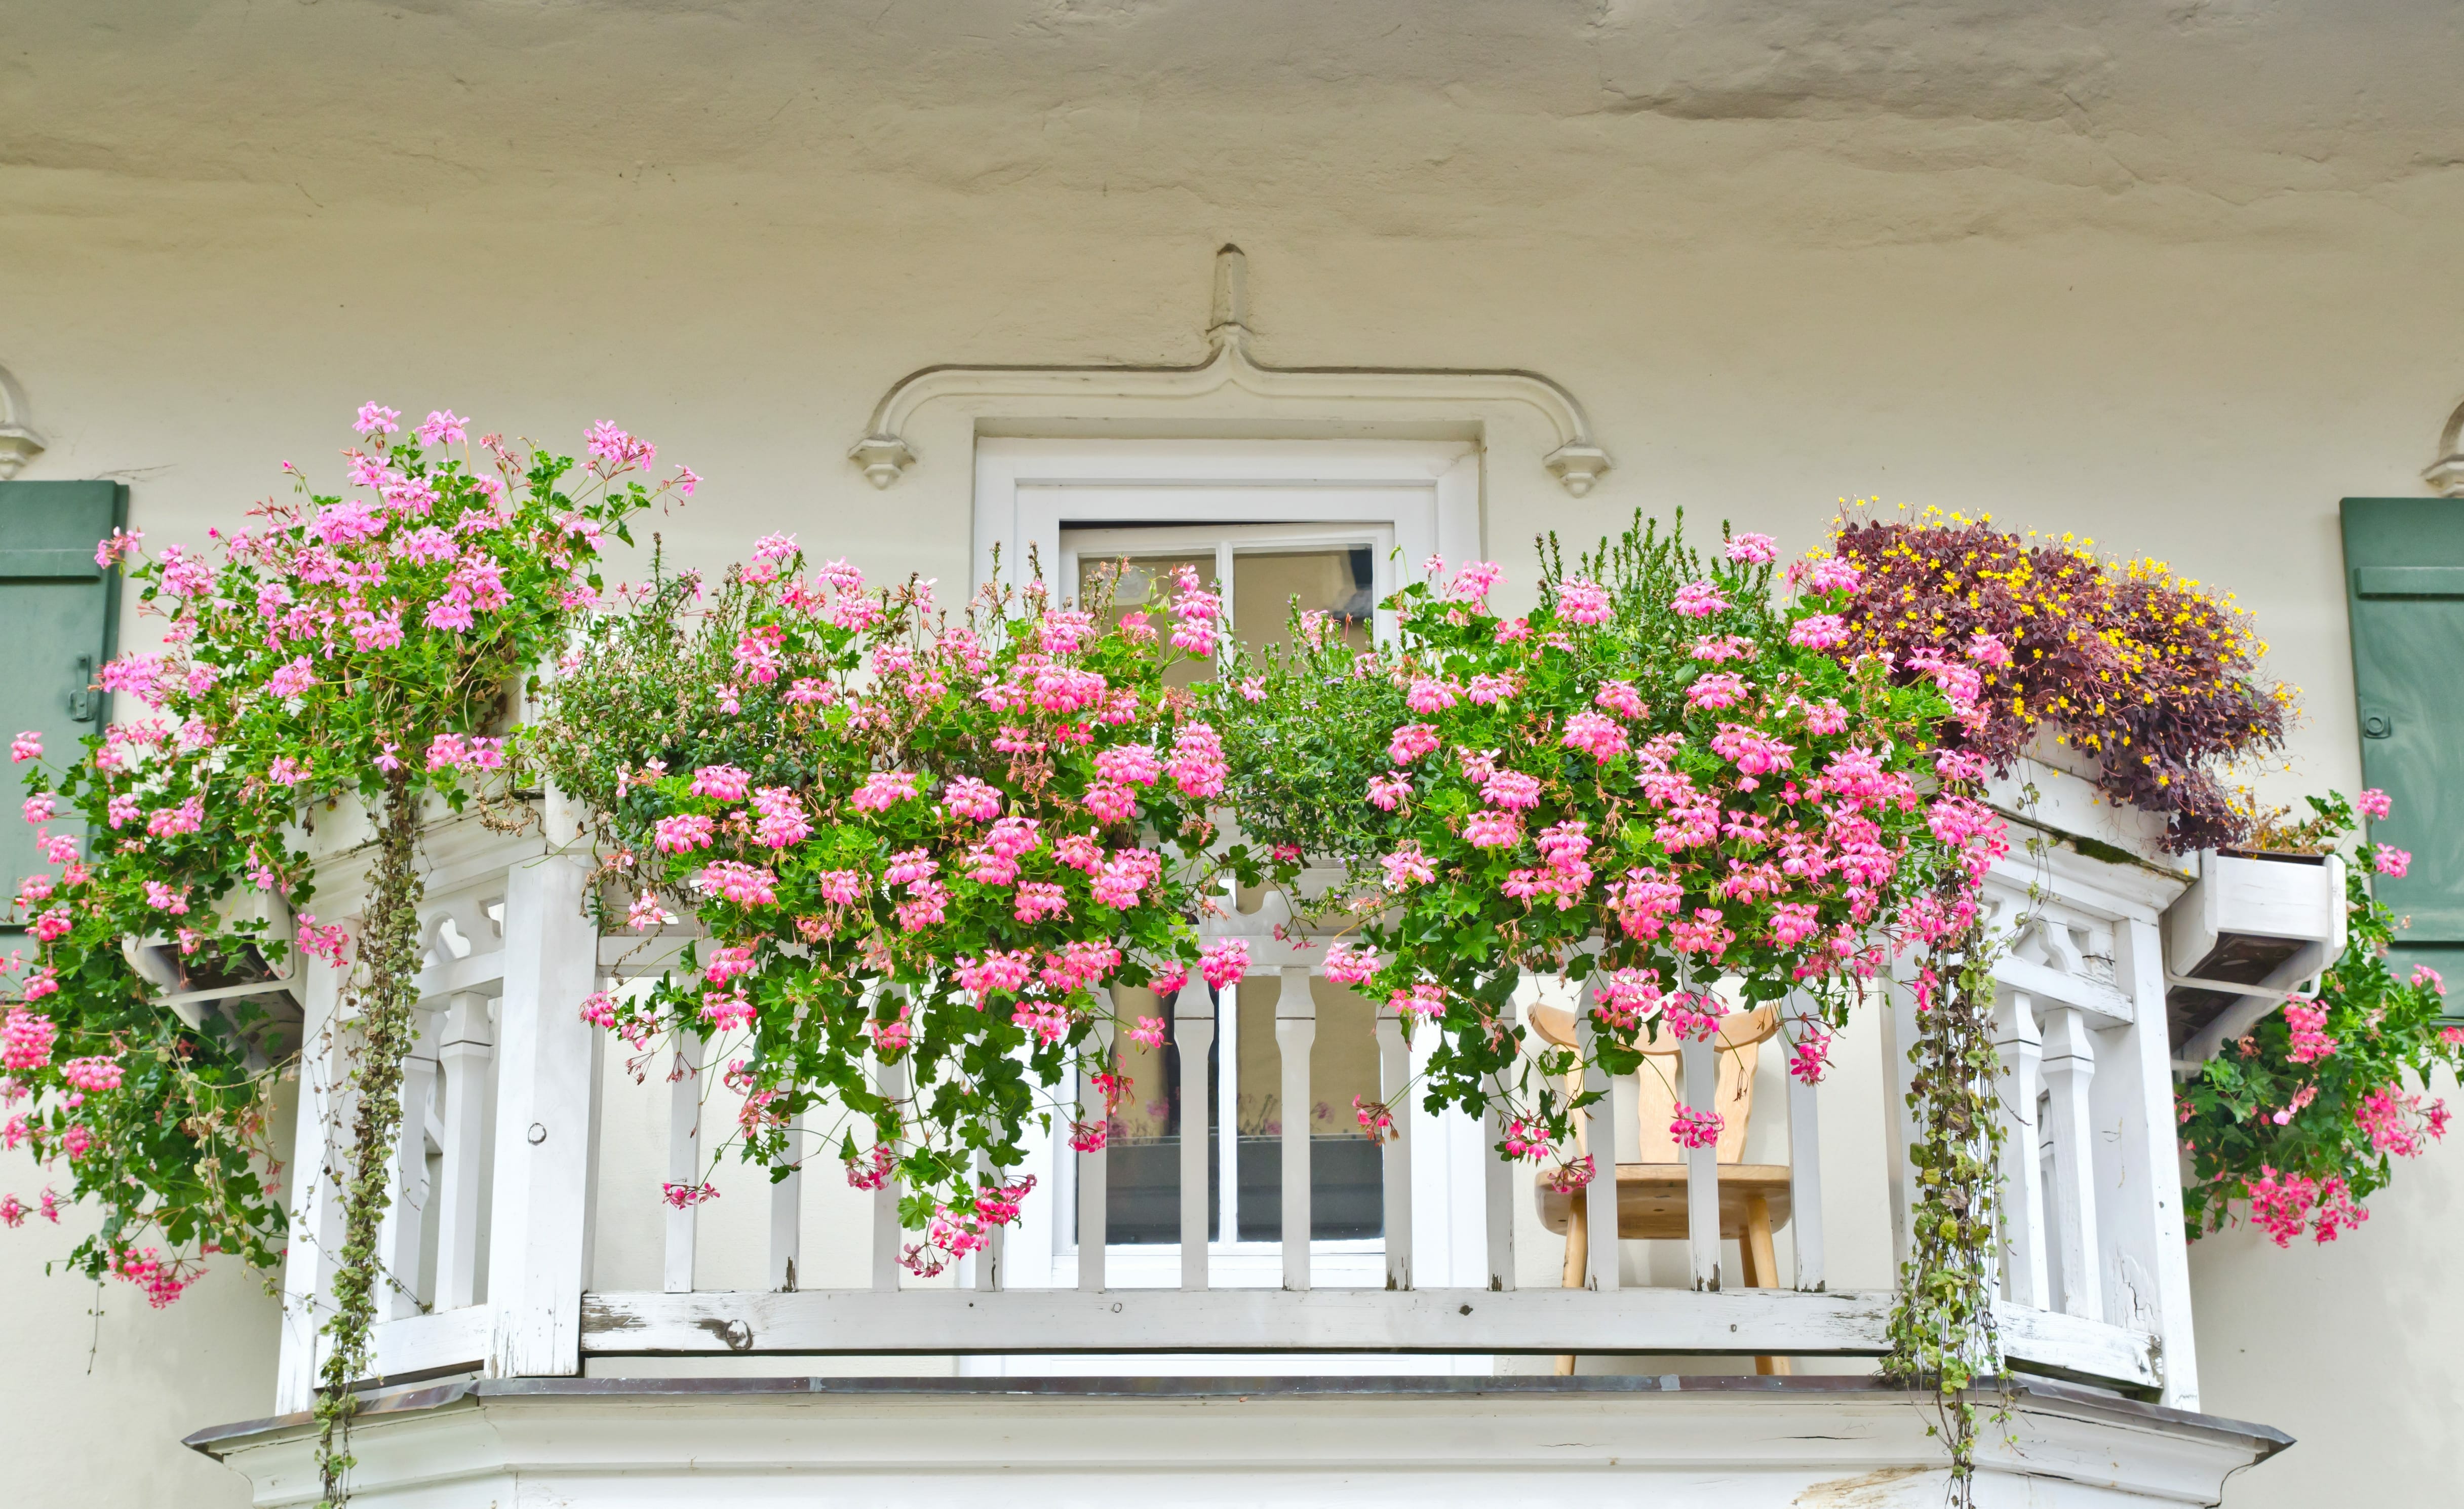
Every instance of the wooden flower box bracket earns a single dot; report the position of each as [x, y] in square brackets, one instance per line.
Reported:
[2247, 933]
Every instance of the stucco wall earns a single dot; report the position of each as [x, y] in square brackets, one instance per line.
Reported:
[2177, 281]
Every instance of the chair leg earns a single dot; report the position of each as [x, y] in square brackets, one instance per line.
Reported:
[1762, 1271]
[1579, 1258]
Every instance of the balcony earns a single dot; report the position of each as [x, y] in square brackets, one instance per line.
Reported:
[534, 1261]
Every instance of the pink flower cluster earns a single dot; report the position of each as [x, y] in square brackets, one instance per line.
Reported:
[1194, 611]
[1627, 998]
[1699, 600]
[163, 1280]
[2286, 1205]
[92, 1074]
[1736, 829]
[1603, 739]
[882, 791]
[1224, 962]
[1411, 741]
[1573, 1176]
[976, 812]
[1349, 964]
[327, 942]
[1809, 1057]
[2308, 1022]
[2400, 1121]
[1527, 1139]
[26, 1040]
[1582, 602]
[468, 753]
[1692, 1128]
[1197, 765]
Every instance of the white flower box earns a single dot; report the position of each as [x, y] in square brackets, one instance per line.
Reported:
[193, 996]
[2053, 787]
[2251, 930]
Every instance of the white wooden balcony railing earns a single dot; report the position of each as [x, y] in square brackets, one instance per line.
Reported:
[501, 1189]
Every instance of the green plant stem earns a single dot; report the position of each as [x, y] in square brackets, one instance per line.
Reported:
[1942, 1330]
[385, 998]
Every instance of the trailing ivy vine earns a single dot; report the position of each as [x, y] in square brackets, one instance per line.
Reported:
[383, 1024]
[1943, 1328]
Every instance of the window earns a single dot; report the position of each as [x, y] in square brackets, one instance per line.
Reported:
[1330, 526]
[1262, 572]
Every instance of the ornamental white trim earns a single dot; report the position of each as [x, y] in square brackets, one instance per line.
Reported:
[1576, 461]
[19, 444]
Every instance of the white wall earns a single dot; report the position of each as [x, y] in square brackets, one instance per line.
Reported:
[100, 1388]
[2177, 280]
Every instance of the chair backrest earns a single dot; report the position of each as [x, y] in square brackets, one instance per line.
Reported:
[1737, 1050]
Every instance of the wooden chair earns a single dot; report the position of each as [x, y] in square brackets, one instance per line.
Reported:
[1651, 1193]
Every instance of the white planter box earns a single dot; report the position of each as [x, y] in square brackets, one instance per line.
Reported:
[2251, 931]
[194, 997]
[2053, 787]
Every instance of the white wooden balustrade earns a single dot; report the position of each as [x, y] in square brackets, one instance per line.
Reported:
[488, 1245]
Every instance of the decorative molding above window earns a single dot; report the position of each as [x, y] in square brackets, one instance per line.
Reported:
[1577, 461]
[19, 444]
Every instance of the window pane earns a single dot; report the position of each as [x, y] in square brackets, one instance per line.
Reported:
[1145, 582]
[1264, 585]
[1346, 1197]
[1142, 1162]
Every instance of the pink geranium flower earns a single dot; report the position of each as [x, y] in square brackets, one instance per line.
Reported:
[1582, 602]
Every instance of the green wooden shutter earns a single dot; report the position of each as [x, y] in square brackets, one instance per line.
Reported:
[2403, 561]
[59, 618]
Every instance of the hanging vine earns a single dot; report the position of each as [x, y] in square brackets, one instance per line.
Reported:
[1943, 1327]
[382, 1015]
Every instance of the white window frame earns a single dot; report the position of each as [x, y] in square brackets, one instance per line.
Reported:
[1426, 491]
[1228, 543]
